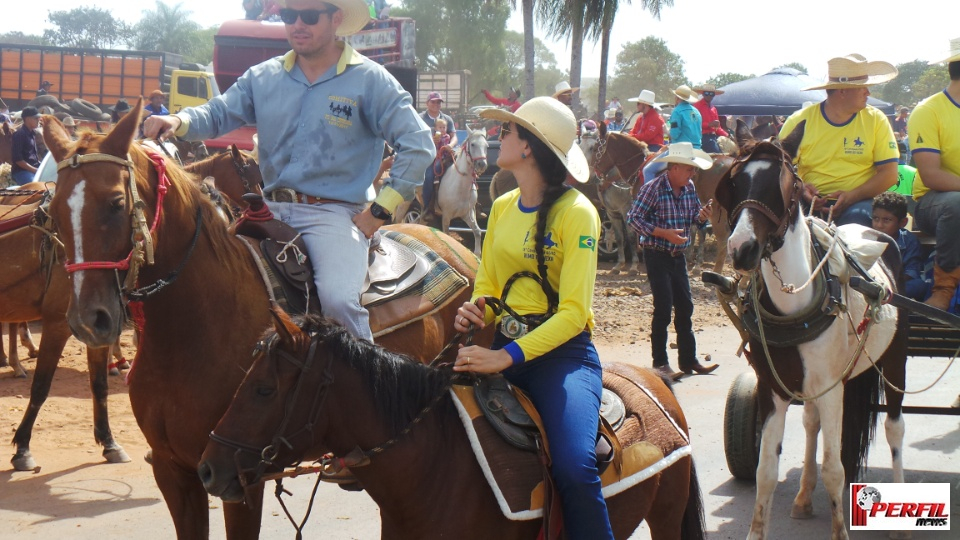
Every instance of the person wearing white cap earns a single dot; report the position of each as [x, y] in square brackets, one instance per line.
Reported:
[563, 93]
[544, 235]
[848, 154]
[323, 112]
[934, 130]
[665, 210]
[649, 127]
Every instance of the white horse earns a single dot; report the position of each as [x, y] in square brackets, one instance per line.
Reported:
[457, 193]
[836, 367]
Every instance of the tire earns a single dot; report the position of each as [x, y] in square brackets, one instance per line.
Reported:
[49, 101]
[741, 427]
[605, 252]
[84, 109]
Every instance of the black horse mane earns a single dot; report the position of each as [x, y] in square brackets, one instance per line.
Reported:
[402, 386]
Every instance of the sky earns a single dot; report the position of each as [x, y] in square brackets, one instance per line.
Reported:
[736, 36]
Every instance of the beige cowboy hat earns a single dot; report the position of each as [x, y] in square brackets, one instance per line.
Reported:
[685, 154]
[707, 88]
[554, 124]
[685, 93]
[954, 53]
[853, 71]
[646, 97]
[563, 87]
[68, 121]
[356, 15]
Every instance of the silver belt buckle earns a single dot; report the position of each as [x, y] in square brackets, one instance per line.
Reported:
[285, 195]
[512, 328]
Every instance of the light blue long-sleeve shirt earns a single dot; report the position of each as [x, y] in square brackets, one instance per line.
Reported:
[323, 138]
[685, 124]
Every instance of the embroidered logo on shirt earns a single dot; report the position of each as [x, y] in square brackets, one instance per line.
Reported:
[588, 242]
[853, 147]
[341, 110]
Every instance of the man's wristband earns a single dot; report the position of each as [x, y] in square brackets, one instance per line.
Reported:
[380, 212]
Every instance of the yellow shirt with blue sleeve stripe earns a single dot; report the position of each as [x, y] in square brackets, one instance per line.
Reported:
[934, 126]
[573, 228]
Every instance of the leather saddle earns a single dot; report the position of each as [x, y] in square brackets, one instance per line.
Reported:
[513, 416]
[18, 208]
[393, 268]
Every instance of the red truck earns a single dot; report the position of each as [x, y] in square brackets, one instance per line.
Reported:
[241, 44]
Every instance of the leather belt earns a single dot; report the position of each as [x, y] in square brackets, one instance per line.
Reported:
[665, 250]
[288, 195]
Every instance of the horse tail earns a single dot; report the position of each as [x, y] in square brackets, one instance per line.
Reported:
[860, 398]
[692, 527]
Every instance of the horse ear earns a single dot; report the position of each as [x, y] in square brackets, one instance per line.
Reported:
[56, 138]
[743, 133]
[120, 138]
[284, 325]
[791, 143]
[235, 152]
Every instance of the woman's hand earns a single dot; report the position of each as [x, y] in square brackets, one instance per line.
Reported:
[482, 360]
[470, 313]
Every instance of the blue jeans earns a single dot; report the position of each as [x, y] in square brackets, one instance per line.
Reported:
[709, 144]
[565, 386]
[428, 189]
[671, 293]
[338, 253]
[23, 176]
[859, 212]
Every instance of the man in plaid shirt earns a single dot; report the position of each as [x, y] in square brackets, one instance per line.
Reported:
[662, 215]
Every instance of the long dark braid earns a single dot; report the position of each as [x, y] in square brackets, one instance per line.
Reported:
[554, 174]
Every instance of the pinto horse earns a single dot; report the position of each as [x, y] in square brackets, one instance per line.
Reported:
[356, 395]
[834, 370]
[190, 357]
[42, 292]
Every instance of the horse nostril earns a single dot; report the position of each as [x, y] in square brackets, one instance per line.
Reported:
[103, 322]
[205, 472]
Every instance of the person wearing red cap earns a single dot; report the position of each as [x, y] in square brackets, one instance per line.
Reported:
[430, 117]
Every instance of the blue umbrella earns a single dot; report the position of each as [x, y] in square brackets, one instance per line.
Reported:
[779, 92]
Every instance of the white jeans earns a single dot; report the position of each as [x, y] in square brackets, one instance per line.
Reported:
[338, 251]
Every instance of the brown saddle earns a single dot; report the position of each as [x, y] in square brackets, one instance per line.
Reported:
[394, 269]
[18, 207]
[513, 416]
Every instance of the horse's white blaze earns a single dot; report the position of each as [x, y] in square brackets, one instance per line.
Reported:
[75, 204]
[742, 232]
[755, 167]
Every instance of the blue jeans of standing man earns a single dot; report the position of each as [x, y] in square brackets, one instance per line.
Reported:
[338, 252]
[709, 144]
[564, 385]
[671, 293]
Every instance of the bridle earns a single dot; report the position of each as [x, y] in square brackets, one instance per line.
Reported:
[465, 149]
[243, 168]
[142, 252]
[791, 198]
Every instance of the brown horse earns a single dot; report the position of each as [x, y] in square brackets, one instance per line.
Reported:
[31, 289]
[191, 358]
[624, 156]
[26, 339]
[6, 142]
[359, 396]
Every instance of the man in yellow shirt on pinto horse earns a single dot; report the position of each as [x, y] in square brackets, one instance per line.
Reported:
[849, 153]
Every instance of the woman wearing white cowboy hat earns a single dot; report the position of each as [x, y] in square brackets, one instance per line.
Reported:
[665, 210]
[546, 229]
[848, 153]
[321, 111]
[934, 131]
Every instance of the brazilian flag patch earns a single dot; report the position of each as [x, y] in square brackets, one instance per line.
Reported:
[588, 242]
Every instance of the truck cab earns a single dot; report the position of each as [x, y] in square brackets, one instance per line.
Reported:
[191, 85]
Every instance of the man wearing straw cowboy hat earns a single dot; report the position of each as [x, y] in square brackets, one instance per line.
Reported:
[934, 129]
[649, 127]
[563, 93]
[849, 153]
[322, 111]
[662, 215]
[685, 126]
[710, 129]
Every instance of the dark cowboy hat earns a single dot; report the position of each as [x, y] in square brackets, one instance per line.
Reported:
[515, 91]
[46, 83]
[121, 107]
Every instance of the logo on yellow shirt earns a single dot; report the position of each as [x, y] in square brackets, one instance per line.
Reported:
[853, 147]
[588, 242]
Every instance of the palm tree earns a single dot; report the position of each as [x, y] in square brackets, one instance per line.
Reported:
[529, 59]
[168, 28]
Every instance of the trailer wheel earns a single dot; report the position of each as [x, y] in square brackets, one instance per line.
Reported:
[741, 427]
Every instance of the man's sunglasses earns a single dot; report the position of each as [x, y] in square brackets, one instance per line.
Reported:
[309, 17]
[708, 94]
[504, 129]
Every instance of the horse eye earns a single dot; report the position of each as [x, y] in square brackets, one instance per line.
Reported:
[116, 205]
[265, 391]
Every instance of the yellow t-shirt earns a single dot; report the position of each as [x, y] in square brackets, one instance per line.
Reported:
[934, 126]
[841, 157]
[570, 242]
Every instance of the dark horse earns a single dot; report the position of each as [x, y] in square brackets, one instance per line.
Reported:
[32, 288]
[834, 370]
[191, 358]
[318, 389]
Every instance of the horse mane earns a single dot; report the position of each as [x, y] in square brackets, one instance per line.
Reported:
[401, 385]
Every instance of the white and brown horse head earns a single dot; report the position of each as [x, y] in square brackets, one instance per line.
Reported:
[761, 195]
[475, 147]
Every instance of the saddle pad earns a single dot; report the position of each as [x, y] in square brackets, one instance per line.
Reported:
[440, 284]
[515, 475]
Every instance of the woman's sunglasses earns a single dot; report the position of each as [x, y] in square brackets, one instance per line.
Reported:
[309, 17]
[504, 129]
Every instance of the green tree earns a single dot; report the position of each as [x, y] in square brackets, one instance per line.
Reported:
[900, 90]
[724, 79]
[546, 71]
[168, 29]
[933, 80]
[203, 52]
[19, 38]
[797, 66]
[89, 27]
[566, 19]
[647, 64]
